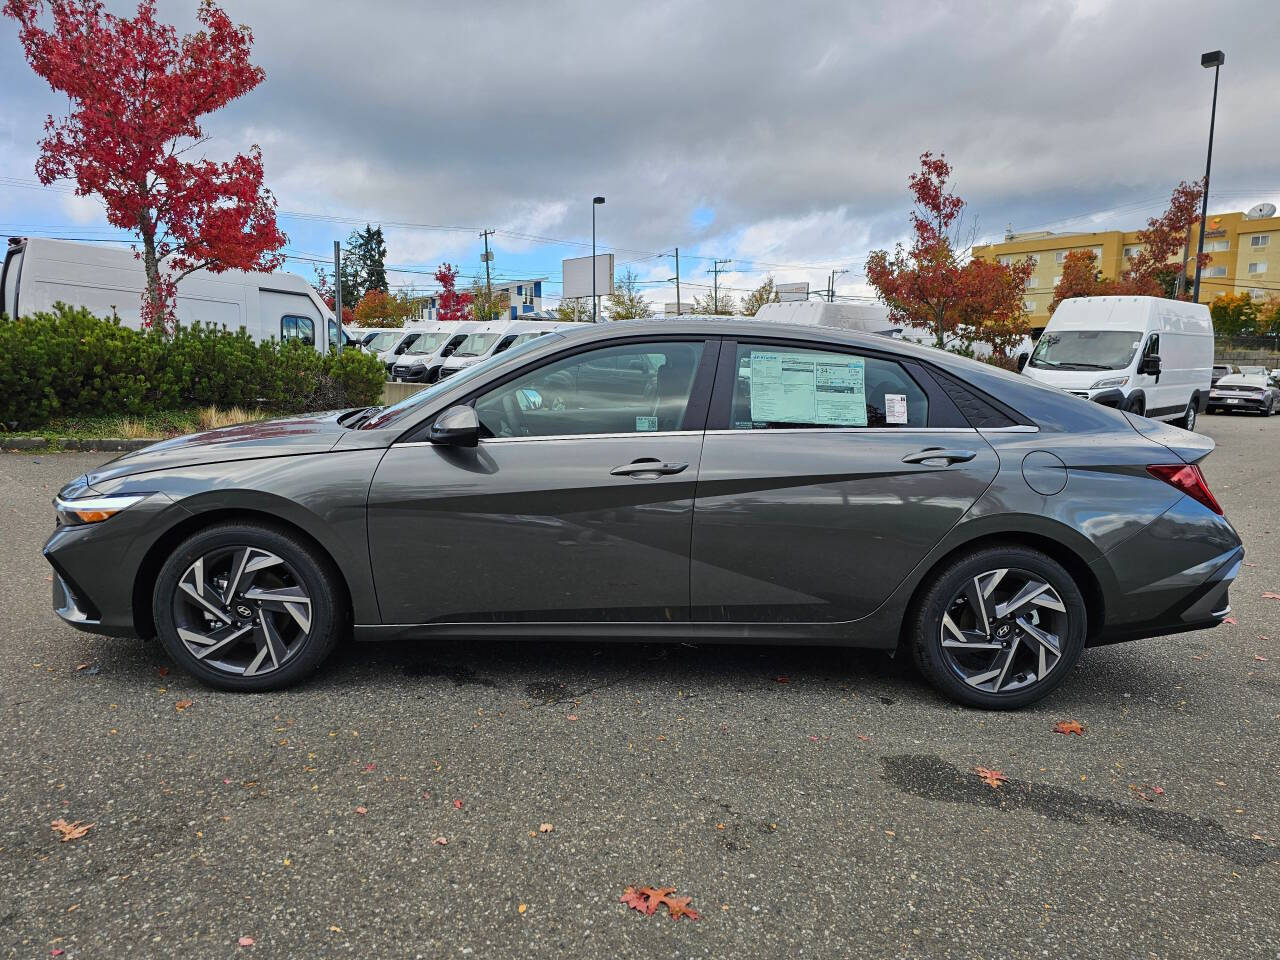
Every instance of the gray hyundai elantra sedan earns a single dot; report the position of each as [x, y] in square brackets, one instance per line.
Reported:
[665, 480]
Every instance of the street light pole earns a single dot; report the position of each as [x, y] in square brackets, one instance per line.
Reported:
[1215, 59]
[337, 288]
[595, 304]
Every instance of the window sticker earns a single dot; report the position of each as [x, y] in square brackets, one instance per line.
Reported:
[895, 408]
[645, 424]
[807, 388]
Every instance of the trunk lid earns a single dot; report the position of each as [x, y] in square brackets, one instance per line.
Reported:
[1190, 447]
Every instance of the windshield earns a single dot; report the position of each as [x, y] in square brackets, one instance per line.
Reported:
[1086, 349]
[428, 343]
[390, 416]
[383, 341]
[477, 343]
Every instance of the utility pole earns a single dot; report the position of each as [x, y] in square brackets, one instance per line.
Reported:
[715, 272]
[677, 281]
[488, 258]
[831, 285]
[337, 288]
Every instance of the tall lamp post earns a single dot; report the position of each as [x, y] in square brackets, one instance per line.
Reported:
[1215, 59]
[595, 304]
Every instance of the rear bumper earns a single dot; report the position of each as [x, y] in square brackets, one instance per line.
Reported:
[1240, 403]
[1199, 599]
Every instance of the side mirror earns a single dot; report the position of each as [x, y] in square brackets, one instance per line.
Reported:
[1150, 365]
[456, 427]
[448, 351]
[1022, 361]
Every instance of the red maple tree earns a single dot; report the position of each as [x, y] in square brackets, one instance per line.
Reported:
[1153, 271]
[931, 286]
[452, 304]
[136, 94]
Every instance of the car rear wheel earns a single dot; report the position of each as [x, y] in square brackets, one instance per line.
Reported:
[999, 628]
[248, 607]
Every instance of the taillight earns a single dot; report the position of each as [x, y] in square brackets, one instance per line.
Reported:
[1187, 478]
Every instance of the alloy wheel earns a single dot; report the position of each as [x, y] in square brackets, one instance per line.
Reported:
[1003, 630]
[242, 610]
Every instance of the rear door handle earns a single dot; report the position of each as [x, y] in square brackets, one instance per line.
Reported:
[647, 467]
[938, 453]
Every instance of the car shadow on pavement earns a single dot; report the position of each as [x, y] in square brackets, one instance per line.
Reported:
[562, 670]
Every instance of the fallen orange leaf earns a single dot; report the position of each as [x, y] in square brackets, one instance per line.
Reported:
[182, 705]
[545, 828]
[245, 941]
[648, 899]
[1271, 596]
[362, 810]
[1068, 727]
[71, 831]
[992, 778]
[440, 841]
[1231, 620]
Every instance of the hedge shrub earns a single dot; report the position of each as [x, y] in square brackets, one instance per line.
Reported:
[67, 362]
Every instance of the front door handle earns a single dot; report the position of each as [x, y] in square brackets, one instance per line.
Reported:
[938, 453]
[647, 467]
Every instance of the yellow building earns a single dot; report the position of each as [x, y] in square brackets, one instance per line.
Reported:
[1244, 251]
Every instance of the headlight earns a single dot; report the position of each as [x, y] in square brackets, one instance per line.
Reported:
[93, 509]
[1110, 382]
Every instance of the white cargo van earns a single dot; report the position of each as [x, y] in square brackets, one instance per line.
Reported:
[108, 280]
[1146, 355]
[479, 344]
[422, 361]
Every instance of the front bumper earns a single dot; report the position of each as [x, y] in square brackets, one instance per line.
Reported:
[97, 567]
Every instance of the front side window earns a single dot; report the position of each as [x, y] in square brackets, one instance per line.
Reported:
[477, 344]
[781, 387]
[298, 328]
[631, 388]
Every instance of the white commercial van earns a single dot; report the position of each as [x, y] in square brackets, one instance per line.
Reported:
[422, 361]
[1146, 355]
[109, 281]
[479, 343]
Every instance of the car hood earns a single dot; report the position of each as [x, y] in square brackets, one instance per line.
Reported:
[1070, 379]
[289, 436]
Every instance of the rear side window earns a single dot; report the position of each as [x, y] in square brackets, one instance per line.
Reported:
[784, 387]
[298, 328]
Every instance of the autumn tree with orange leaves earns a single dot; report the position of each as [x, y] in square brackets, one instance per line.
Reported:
[930, 285]
[136, 93]
[1153, 271]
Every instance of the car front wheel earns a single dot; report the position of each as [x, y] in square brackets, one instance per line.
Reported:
[999, 628]
[248, 607]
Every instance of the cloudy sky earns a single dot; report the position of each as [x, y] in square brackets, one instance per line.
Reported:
[776, 134]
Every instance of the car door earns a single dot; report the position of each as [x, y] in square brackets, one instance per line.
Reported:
[827, 475]
[576, 504]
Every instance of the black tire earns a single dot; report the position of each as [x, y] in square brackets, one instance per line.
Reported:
[1188, 419]
[942, 667]
[298, 562]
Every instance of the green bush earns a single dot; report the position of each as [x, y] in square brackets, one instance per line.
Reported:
[67, 362]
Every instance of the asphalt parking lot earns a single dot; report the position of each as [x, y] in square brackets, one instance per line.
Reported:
[812, 802]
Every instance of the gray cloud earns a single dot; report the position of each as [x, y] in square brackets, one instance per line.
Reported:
[797, 123]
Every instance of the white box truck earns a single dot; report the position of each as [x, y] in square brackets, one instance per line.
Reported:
[1146, 355]
[108, 280]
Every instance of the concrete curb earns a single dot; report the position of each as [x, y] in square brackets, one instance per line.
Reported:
[44, 445]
